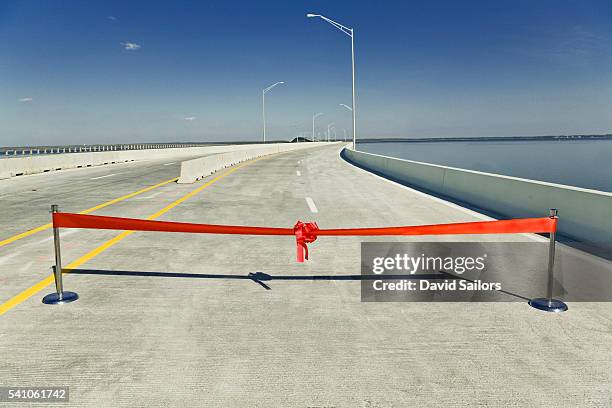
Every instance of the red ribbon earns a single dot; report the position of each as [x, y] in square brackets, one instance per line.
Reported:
[68, 220]
[306, 233]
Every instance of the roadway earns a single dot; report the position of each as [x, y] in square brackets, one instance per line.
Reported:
[26, 198]
[225, 340]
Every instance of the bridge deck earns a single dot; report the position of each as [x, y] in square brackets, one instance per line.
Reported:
[228, 341]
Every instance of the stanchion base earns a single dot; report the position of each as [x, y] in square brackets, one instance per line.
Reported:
[55, 299]
[548, 305]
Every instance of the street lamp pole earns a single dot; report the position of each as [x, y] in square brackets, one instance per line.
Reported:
[328, 130]
[349, 108]
[350, 32]
[263, 106]
[313, 124]
[353, 69]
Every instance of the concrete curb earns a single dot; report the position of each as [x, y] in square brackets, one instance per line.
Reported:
[195, 169]
[17, 166]
[585, 215]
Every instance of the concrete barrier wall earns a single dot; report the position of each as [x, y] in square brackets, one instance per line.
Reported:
[14, 166]
[195, 169]
[585, 215]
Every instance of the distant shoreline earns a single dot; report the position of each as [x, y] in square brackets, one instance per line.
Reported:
[485, 139]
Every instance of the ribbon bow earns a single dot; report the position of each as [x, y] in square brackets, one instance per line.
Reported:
[305, 233]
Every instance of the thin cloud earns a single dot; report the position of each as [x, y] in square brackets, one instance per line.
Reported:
[112, 18]
[130, 46]
[190, 118]
[26, 99]
[569, 46]
[579, 45]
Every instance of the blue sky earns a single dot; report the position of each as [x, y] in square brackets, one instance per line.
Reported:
[116, 71]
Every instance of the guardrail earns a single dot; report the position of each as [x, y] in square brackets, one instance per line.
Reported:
[195, 169]
[36, 150]
[17, 166]
[587, 214]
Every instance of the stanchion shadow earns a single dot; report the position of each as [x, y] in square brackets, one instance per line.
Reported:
[257, 277]
[261, 277]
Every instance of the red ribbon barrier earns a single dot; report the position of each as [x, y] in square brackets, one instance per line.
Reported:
[306, 233]
[67, 220]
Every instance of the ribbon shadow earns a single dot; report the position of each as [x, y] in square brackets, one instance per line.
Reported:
[260, 277]
[257, 277]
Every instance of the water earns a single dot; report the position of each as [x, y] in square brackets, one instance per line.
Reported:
[580, 163]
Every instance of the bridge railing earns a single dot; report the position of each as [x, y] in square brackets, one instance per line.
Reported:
[587, 214]
[36, 150]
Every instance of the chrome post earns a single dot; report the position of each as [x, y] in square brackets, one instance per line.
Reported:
[549, 304]
[551, 260]
[59, 296]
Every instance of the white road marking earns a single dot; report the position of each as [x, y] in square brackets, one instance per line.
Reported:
[101, 177]
[63, 234]
[5, 258]
[167, 164]
[298, 173]
[311, 205]
[150, 196]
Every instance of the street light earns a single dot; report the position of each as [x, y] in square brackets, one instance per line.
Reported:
[350, 33]
[263, 98]
[328, 129]
[349, 108]
[313, 124]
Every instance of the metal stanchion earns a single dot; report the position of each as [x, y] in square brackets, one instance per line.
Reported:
[549, 304]
[60, 296]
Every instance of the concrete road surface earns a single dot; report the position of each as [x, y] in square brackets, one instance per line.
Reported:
[136, 338]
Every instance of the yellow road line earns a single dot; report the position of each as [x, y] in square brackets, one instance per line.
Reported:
[25, 234]
[87, 211]
[125, 197]
[31, 291]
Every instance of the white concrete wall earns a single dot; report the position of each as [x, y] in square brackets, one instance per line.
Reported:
[195, 169]
[11, 167]
[584, 215]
